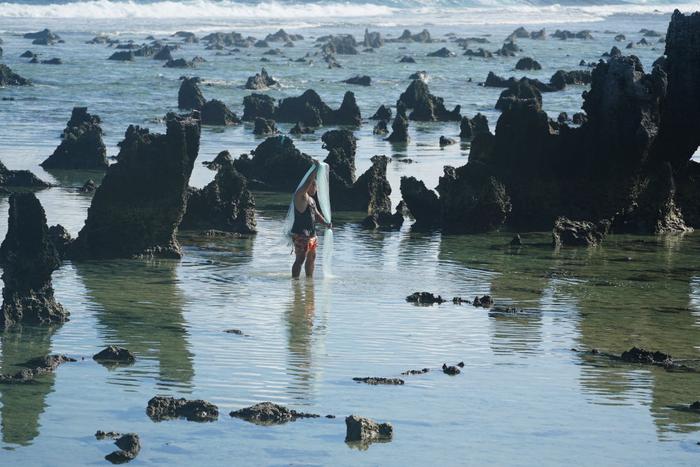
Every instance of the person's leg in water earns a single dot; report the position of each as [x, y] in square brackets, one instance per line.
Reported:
[310, 262]
[298, 261]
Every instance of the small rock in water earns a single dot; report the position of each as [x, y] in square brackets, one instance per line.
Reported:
[361, 429]
[163, 408]
[460, 300]
[379, 380]
[114, 354]
[450, 370]
[483, 302]
[425, 298]
[129, 446]
[415, 372]
[267, 413]
[637, 355]
[99, 434]
[88, 187]
[445, 141]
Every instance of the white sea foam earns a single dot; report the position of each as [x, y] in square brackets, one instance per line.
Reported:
[399, 12]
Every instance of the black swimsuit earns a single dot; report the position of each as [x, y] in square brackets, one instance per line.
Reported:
[305, 222]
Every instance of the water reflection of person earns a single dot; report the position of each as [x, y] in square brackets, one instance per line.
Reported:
[148, 319]
[23, 404]
[300, 322]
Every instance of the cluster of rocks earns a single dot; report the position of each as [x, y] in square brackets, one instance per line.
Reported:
[260, 81]
[267, 413]
[35, 367]
[43, 37]
[212, 112]
[10, 78]
[81, 146]
[308, 110]
[628, 163]
[426, 107]
[129, 446]
[18, 179]
[224, 204]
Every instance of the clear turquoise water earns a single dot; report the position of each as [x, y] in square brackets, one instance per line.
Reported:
[523, 398]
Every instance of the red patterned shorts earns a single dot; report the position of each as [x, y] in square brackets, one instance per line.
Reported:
[303, 244]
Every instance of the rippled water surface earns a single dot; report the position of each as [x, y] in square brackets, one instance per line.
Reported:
[524, 397]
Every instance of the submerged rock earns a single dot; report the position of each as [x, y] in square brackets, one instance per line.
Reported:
[444, 52]
[129, 447]
[114, 354]
[378, 380]
[162, 408]
[189, 95]
[425, 298]
[416, 372]
[28, 258]
[576, 233]
[122, 56]
[359, 80]
[361, 429]
[267, 413]
[450, 370]
[88, 187]
[637, 355]
[137, 208]
[82, 146]
[224, 204]
[35, 367]
[527, 63]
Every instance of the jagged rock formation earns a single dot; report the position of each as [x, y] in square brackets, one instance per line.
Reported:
[215, 112]
[10, 78]
[471, 128]
[190, 96]
[82, 146]
[619, 165]
[140, 203]
[382, 113]
[10, 179]
[427, 107]
[224, 204]
[276, 164]
[28, 258]
[576, 233]
[264, 127]
[307, 109]
[260, 81]
[399, 129]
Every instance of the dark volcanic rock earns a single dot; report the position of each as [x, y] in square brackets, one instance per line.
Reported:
[521, 91]
[164, 54]
[122, 56]
[561, 78]
[258, 105]
[406, 36]
[61, 239]
[179, 63]
[425, 298]
[372, 39]
[445, 141]
[359, 80]
[310, 110]
[141, 201]
[427, 107]
[114, 354]
[28, 258]
[422, 202]
[282, 36]
[189, 95]
[82, 146]
[215, 112]
[380, 128]
[129, 446]
[365, 430]
[267, 413]
[371, 191]
[637, 355]
[163, 408]
[264, 127]
[35, 367]
[450, 370]
[298, 129]
[442, 53]
[52, 61]
[88, 187]
[399, 129]
[343, 44]
[576, 233]
[527, 63]
[260, 81]
[221, 159]
[19, 179]
[382, 113]
[44, 37]
[471, 128]
[10, 78]
[407, 59]
[224, 204]
[276, 164]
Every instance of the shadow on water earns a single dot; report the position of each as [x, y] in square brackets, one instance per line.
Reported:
[140, 307]
[23, 404]
[631, 291]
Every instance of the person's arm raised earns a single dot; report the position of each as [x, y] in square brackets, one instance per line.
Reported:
[300, 195]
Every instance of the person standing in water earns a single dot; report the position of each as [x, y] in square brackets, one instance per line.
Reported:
[304, 229]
